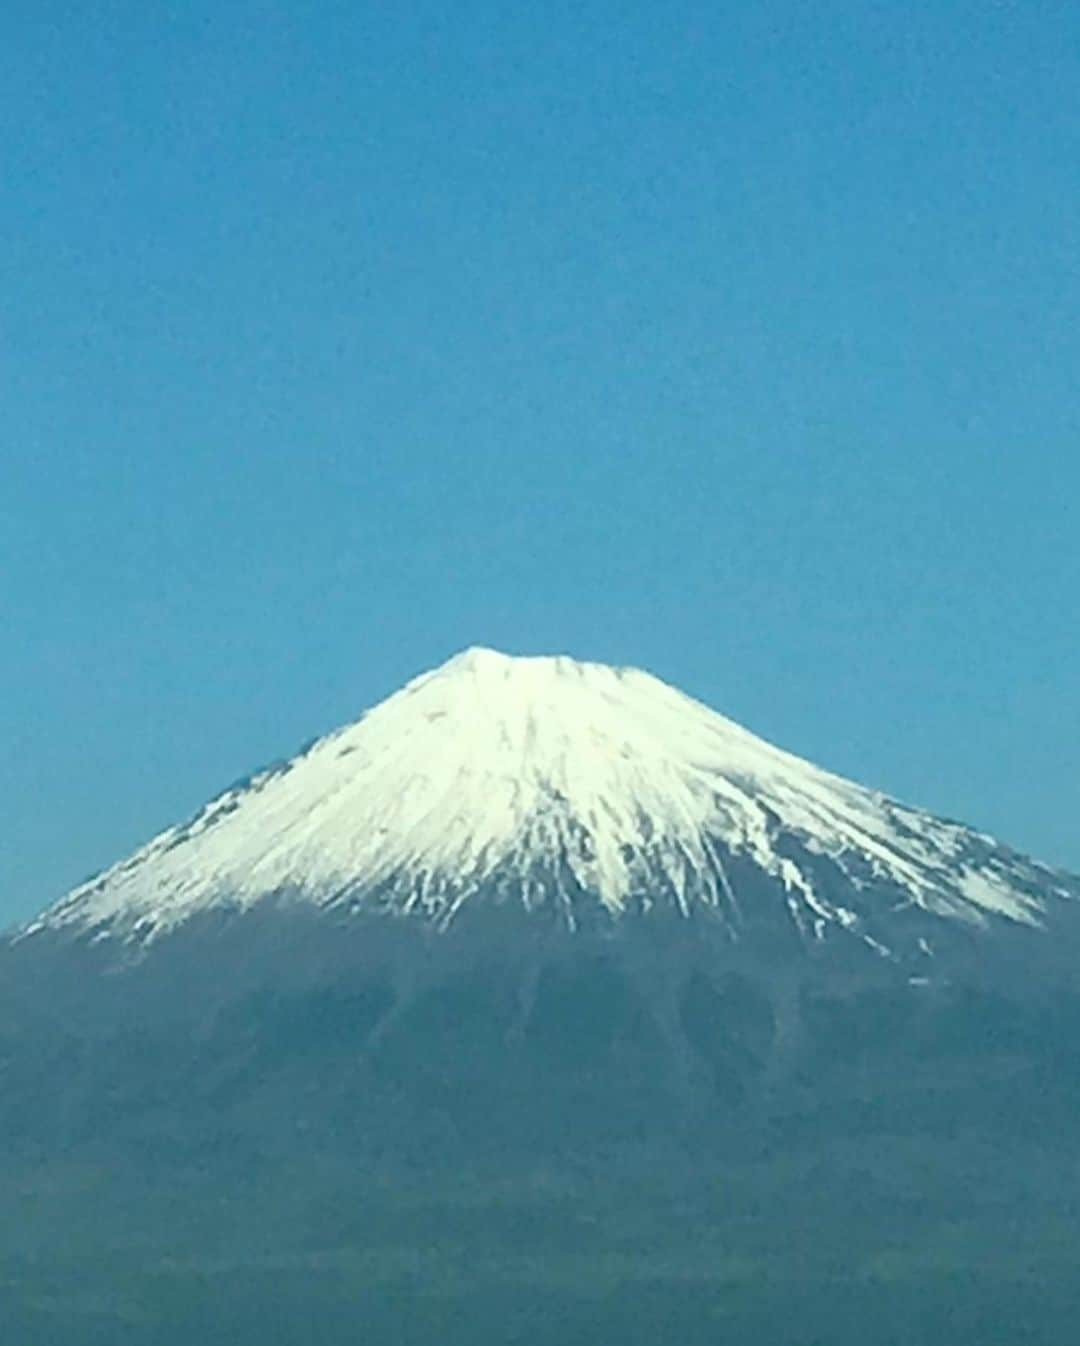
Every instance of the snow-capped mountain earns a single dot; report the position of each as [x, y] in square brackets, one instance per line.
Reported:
[541, 907]
[576, 791]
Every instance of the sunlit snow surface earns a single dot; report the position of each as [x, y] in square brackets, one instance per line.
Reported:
[559, 784]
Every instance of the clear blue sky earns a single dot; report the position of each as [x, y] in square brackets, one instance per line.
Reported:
[739, 342]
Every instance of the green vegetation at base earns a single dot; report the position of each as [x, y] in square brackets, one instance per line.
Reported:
[875, 1246]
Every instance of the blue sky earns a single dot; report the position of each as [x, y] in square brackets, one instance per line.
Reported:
[736, 342]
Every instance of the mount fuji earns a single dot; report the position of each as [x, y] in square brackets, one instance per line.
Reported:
[507, 860]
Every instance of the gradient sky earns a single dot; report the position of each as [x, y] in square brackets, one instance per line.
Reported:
[739, 342]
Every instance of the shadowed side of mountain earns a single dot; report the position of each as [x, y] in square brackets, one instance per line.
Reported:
[287, 1033]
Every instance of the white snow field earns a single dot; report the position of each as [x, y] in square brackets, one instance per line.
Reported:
[547, 781]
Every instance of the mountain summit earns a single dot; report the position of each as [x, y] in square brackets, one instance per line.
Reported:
[578, 793]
